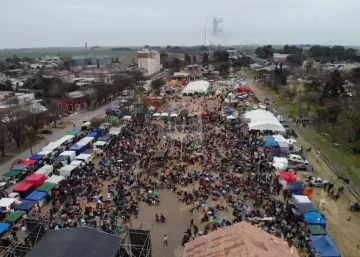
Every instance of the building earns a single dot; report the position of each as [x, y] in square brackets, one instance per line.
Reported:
[240, 239]
[90, 60]
[280, 57]
[75, 101]
[149, 60]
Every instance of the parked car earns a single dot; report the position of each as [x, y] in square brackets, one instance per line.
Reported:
[303, 167]
[317, 182]
[297, 159]
[46, 131]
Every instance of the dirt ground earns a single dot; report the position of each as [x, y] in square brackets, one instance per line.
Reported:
[342, 224]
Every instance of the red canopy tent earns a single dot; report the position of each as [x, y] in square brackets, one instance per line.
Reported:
[37, 180]
[160, 110]
[24, 189]
[288, 176]
[29, 162]
[244, 90]
[204, 113]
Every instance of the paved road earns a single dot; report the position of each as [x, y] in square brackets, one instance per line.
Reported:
[77, 119]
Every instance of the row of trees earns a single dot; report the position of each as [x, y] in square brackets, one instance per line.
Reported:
[316, 52]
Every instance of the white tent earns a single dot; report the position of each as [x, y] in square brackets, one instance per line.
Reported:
[85, 141]
[76, 163]
[66, 170]
[263, 120]
[156, 114]
[127, 117]
[54, 179]
[46, 170]
[231, 117]
[65, 139]
[279, 138]
[84, 157]
[173, 115]
[6, 202]
[299, 199]
[164, 114]
[115, 131]
[200, 86]
[280, 163]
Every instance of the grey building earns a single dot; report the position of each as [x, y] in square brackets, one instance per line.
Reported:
[94, 60]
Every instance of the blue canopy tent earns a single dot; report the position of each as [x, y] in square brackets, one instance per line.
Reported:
[24, 206]
[315, 218]
[100, 131]
[271, 143]
[89, 151]
[78, 149]
[64, 159]
[37, 157]
[269, 138]
[306, 208]
[296, 188]
[104, 138]
[4, 227]
[324, 246]
[36, 196]
[39, 197]
[109, 110]
[93, 134]
[20, 167]
[148, 114]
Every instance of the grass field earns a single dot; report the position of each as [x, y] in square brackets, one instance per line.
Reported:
[64, 52]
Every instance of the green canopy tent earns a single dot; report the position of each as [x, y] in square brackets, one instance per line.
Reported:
[72, 133]
[14, 217]
[12, 173]
[48, 188]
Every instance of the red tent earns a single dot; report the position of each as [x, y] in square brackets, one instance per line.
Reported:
[204, 113]
[37, 180]
[28, 162]
[160, 110]
[244, 90]
[24, 189]
[288, 176]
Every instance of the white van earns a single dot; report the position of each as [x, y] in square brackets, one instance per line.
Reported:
[297, 159]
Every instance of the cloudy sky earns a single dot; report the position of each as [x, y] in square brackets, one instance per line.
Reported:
[50, 23]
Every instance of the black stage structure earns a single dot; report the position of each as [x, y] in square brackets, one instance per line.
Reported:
[37, 241]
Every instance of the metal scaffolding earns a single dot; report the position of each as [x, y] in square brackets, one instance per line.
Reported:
[22, 241]
[137, 240]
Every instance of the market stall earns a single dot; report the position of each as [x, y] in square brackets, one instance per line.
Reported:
[324, 246]
[67, 170]
[24, 189]
[36, 180]
[54, 179]
[4, 227]
[15, 217]
[84, 157]
[25, 206]
[47, 170]
[39, 197]
[315, 218]
[47, 188]
[6, 204]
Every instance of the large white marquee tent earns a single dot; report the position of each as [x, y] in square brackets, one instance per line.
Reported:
[263, 120]
[196, 87]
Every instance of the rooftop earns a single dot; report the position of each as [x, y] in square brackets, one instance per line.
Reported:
[76, 242]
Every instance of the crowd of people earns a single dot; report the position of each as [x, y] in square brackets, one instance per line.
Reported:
[215, 166]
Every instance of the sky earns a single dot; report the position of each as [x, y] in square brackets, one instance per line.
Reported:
[71, 23]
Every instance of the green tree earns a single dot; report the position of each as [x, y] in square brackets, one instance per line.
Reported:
[294, 59]
[32, 136]
[187, 59]
[194, 59]
[157, 84]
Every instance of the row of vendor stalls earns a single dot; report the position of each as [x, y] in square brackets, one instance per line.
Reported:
[40, 184]
[301, 204]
